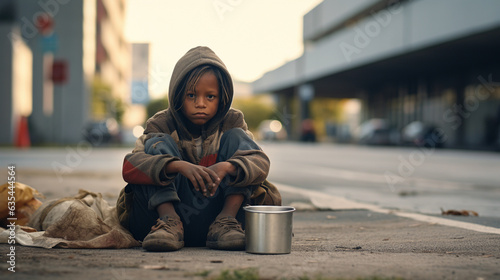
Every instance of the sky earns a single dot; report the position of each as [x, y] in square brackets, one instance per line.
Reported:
[250, 36]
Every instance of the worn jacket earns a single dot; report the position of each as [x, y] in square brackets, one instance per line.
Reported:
[145, 169]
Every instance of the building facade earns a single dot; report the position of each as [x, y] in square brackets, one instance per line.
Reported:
[434, 61]
[139, 95]
[16, 81]
[71, 42]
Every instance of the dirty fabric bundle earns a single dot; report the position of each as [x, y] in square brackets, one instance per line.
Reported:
[83, 221]
[25, 200]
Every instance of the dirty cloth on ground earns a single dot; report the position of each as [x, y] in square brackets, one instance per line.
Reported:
[83, 221]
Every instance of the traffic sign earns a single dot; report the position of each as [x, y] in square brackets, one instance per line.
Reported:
[60, 72]
[49, 43]
[44, 23]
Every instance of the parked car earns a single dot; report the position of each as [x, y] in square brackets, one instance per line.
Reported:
[419, 134]
[376, 132]
[271, 130]
[102, 132]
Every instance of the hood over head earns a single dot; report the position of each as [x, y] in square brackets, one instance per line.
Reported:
[195, 57]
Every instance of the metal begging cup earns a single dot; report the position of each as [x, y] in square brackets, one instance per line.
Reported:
[268, 229]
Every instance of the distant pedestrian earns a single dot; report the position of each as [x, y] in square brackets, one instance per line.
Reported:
[308, 133]
[195, 166]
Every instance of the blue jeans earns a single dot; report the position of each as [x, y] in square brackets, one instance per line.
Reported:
[196, 211]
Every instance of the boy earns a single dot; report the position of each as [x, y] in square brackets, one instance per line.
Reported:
[195, 166]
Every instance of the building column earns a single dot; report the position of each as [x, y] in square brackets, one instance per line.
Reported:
[460, 99]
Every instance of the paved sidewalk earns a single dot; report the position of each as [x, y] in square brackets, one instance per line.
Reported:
[346, 244]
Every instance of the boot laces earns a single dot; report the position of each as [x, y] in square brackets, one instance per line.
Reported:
[160, 224]
[228, 224]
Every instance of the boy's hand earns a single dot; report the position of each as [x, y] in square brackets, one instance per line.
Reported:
[204, 179]
[222, 169]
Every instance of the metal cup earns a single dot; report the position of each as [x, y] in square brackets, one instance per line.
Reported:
[268, 229]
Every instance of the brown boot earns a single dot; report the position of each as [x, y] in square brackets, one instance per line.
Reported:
[167, 235]
[226, 234]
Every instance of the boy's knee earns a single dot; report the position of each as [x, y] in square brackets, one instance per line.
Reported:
[234, 133]
[159, 144]
[233, 140]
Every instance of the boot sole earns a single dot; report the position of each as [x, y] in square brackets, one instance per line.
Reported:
[230, 245]
[159, 245]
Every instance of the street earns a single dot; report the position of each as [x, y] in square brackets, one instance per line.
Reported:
[360, 243]
[412, 179]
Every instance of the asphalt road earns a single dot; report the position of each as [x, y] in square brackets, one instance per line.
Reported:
[334, 244]
[412, 179]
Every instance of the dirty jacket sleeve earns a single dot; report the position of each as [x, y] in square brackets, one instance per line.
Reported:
[145, 169]
[252, 165]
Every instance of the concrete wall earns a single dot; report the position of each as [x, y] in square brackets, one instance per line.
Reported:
[116, 70]
[393, 31]
[70, 104]
[61, 111]
[16, 81]
[412, 60]
[283, 77]
[330, 14]
[6, 54]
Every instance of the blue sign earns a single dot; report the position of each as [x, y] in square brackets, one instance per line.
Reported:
[49, 43]
[140, 92]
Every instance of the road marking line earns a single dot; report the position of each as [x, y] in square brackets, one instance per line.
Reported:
[328, 201]
[380, 178]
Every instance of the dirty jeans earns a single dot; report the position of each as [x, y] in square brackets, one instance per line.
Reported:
[196, 211]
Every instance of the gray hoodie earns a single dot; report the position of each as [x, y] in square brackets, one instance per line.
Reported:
[145, 169]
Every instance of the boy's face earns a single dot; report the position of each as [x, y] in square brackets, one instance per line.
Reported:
[201, 106]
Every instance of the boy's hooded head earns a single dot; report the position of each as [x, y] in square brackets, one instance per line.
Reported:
[196, 64]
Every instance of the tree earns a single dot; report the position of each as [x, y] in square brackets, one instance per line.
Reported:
[104, 105]
[156, 105]
[255, 109]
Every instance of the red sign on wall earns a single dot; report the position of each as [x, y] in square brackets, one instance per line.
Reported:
[60, 72]
[44, 23]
